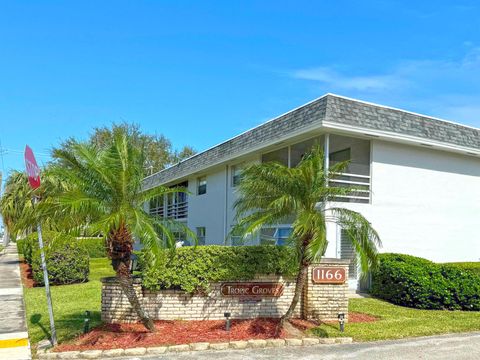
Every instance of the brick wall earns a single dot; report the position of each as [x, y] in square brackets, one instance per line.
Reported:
[319, 301]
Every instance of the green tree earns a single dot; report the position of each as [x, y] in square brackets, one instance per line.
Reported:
[157, 148]
[272, 194]
[16, 205]
[105, 191]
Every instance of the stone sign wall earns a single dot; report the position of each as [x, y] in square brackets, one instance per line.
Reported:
[265, 296]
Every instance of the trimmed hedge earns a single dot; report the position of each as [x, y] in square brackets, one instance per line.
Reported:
[95, 246]
[193, 268]
[67, 260]
[469, 266]
[415, 282]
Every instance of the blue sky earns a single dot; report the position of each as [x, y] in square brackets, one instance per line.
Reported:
[200, 72]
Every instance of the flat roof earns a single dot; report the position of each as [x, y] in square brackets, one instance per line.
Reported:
[328, 111]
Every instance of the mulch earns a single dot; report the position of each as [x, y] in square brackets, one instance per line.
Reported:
[111, 336]
[114, 336]
[356, 317]
[27, 276]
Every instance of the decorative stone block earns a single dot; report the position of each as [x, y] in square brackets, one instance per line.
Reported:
[219, 346]
[238, 344]
[135, 351]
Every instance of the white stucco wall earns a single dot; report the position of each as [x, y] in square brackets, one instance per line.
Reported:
[425, 202]
[208, 210]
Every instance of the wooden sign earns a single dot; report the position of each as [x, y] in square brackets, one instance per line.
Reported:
[328, 275]
[252, 290]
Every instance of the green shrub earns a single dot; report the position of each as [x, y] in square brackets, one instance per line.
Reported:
[193, 268]
[470, 266]
[20, 246]
[67, 261]
[29, 244]
[95, 246]
[419, 283]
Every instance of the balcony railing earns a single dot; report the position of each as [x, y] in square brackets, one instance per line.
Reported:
[359, 183]
[178, 210]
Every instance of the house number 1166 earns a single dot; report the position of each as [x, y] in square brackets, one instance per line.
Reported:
[328, 275]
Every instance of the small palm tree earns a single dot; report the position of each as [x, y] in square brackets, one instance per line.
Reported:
[104, 190]
[272, 194]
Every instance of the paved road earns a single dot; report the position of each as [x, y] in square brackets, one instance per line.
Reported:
[13, 330]
[461, 346]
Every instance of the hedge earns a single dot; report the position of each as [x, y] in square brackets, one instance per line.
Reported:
[469, 266]
[419, 283]
[192, 269]
[67, 260]
[95, 246]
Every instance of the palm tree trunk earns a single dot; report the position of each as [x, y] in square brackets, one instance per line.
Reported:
[126, 283]
[300, 282]
[120, 247]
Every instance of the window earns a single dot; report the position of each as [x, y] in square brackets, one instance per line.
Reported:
[236, 175]
[275, 236]
[180, 238]
[236, 237]
[202, 185]
[201, 234]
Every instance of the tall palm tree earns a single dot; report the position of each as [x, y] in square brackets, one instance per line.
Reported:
[104, 189]
[272, 194]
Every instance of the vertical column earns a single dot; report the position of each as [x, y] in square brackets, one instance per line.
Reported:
[326, 152]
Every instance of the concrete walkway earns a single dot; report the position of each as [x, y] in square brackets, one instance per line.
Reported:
[13, 329]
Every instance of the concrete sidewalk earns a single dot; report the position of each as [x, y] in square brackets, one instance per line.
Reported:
[13, 329]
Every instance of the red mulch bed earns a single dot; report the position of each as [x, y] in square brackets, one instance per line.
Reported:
[111, 336]
[27, 276]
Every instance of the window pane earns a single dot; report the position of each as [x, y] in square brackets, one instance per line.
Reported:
[202, 185]
[236, 175]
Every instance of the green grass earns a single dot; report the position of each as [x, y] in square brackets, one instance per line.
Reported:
[69, 305]
[397, 322]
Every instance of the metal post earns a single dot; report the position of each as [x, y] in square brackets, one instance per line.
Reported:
[47, 284]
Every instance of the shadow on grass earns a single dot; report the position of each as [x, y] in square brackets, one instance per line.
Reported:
[67, 326]
[321, 332]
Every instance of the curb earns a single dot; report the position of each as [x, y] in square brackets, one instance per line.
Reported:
[237, 345]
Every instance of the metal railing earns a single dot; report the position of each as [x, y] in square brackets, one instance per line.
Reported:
[177, 210]
[360, 185]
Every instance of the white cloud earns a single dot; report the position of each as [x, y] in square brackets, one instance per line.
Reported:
[331, 77]
[440, 87]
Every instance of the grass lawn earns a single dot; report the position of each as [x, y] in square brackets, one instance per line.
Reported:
[397, 322]
[69, 305]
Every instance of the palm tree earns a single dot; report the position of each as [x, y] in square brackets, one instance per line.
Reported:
[272, 193]
[104, 190]
[16, 205]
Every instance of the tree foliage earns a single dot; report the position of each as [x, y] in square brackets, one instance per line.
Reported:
[273, 194]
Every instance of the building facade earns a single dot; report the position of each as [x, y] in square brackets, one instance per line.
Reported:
[418, 178]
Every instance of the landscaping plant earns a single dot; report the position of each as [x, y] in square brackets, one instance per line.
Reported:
[67, 261]
[419, 283]
[271, 194]
[105, 191]
[192, 269]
